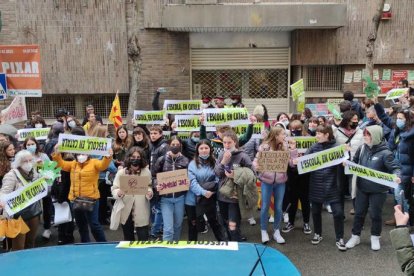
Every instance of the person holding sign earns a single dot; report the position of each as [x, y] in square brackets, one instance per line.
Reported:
[273, 182]
[136, 211]
[23, 173]
[172, 204]
[375, 155]
[84, 192]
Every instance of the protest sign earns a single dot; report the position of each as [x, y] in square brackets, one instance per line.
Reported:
[258, 128]
[173, 182]
[298, 94]
[379, 177]
[37, 133]
[396, 93]
[212, 245]
[154, 117]
[187, 123]
[134, 184]
[334, 111]
[320, 109]
[322, 159]
[21, 64]
[24, 196]
[225, 116]
[303, 143]
[84, 144]
[273, 161]
[15, 112]
[182, 107]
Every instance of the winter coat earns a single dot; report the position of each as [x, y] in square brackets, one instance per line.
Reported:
[356, 141]
[238, 159]
[357, 108]
[83, 177]
[189, 148]
[199, 175]
[323, 185]
[138, 204]
[379, 158]
[402, 243]
[157, 149]
[385, 119]
[252, 147]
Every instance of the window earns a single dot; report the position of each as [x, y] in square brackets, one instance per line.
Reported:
[323, 78]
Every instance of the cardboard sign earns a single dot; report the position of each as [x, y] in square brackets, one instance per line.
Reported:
[273, 161]
[37, 133]
[134, 184]
[155, 117]
[323, 159]
[173, 181]
[225, 116]
[182, 107]
[15, 112]
[379, 177]
[84, 144]
[21, 63]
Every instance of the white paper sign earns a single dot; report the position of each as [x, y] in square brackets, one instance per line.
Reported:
[15, 112]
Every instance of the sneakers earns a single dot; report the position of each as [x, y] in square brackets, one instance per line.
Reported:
[306, 229]
[46, 234]
[328, 208]
[288, 227]
[353, 241]
[352, 211]
[271, 219]
[278, 238]
[205, 229]
[341, 245]
[285, 217]
[251, 221]
[375, 243]
[265, 237]
[316, 239]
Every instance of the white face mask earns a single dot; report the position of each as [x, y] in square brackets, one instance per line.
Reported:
[38, 125]
[27, 167]
[72, 124]
[82, 158]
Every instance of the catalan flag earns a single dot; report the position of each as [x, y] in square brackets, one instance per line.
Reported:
[115, 117]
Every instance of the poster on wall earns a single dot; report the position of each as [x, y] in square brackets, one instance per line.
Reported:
[357, 76]
[348, 77]
[398, 75]
[386, 74]
[386, 86]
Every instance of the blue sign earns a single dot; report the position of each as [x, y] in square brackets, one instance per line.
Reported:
[3, 87]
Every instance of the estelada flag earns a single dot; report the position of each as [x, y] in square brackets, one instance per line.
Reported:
[115, 117]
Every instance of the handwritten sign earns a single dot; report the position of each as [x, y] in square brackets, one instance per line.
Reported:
[15, 112]
[173, 182]
[134, 184]
[273, 161]
[211, 245]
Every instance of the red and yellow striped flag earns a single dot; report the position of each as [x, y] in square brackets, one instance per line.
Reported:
[115, 117]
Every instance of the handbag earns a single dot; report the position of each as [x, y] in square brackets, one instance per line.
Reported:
[83, 204]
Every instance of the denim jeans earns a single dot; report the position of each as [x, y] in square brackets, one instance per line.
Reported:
[397, 197]
[156, 217]
[278, 191]
[83, 218]
[172, 209]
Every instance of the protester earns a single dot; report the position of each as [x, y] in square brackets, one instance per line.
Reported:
[71, 123]
[306, 115]
[84, 174]
[272, 184]
[236, 101]
[134, 216]
[283, 118]
[201, 198]
[123, 142]
[91, 124]
[91, 110]
[172, 204]
[53, 138]
[142, 141]
[219, 102]
[355, 106]
[262, 111]
[22, 173]
[322, 120]
[7, 153]
[375, 155]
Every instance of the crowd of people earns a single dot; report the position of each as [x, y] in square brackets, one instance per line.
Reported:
[222, 169]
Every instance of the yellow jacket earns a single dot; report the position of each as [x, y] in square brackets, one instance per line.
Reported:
[83, 177]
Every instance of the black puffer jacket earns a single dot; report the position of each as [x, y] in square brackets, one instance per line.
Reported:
[166, 163]
[157, 149]
[323, 185]
[189, 148]
[379, 158]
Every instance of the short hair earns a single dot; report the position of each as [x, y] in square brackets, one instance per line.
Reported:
[157, 128]
[223, 128]
[78, 131]
[404, 83]
[326, 129]
[18, 158]
[348, 96]
[232, 135]
[345, 106]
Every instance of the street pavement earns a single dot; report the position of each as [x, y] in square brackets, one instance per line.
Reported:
[323, 259]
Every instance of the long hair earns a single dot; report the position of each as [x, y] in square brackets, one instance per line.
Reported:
[409, 119]
[100, 131]
[326, 129]
[34, 140]
[5, 164]
[210, 160]
[347, 117]
[272, 140]
[130, 152]
[119, 143]
[146, 140]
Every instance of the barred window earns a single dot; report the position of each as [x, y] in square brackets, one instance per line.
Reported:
[323, 78]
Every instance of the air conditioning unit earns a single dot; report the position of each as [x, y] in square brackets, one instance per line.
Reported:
[200, 2]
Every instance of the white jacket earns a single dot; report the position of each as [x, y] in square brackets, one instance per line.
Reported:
[356, 141]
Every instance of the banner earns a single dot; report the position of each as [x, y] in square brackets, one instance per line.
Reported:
[334, 111]
[155, 117]
[15, 112]
[24, 196]
[320, 109]
[182, 106]
[303, 143]
[298, 94]
[134, 184]
[225, 116]
[322, 159]
[187, 122]
[173, 181]
[273, 161]
[212, 245]
[84, 144]
[37, 133]
[21, 63]
[379, 177]
[258, 128]
[396, 93]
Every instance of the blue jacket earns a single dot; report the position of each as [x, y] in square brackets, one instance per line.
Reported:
[198, 175]
[111, 168]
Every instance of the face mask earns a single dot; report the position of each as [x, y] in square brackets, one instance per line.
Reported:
[82, 158]
[136, 162]
[296, 132]
[72, 124]
[175, 149]
[312, 129]
[285, 122]
[31, 148]
[204, 157]
[195, 139]
[38, 125]
[27, 167]
[400, 123]
[354, 125]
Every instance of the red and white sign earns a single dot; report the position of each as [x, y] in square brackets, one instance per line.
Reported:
[21, 63]
[398, 75]
[387, 85]
[15, 112]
